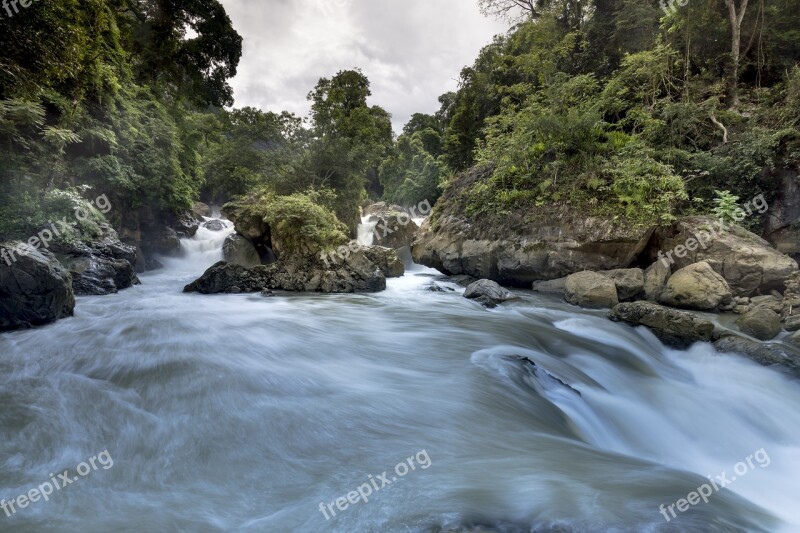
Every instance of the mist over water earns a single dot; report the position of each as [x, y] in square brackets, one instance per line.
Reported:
[244, 413]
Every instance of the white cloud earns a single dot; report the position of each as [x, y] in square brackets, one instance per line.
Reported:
[411, 50]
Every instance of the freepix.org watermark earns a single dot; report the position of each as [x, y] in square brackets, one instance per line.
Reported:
[9, 5]
[422, 209]
[703, 238]
[669, 6]
[376, 483]
[56, 483]
[55, 229]
[704, 491]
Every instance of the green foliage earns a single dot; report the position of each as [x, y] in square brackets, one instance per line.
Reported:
[301, 222]
[412, 173]
[726, 204]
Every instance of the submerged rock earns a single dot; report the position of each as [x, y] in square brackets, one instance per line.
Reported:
[214, 225]
[763, 354]
[554, 286]
[34, 288]
[675, 328]
[590, 289]
[696, 286]
[488, 293]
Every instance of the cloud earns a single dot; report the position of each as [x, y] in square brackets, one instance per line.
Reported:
[411, 50]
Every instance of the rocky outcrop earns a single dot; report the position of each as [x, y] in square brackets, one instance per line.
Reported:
[34, 288]
[746, 261]
[239, 251]
[761, 323]
[387, 260]
[488, 293]
[525, 245]
[590, 289]
[393, 229]
[629, 283]
[200, 210]
[675, 328]
[102, 266]
[356, 273]
[696, 286]
[763, 354]
[783, 217]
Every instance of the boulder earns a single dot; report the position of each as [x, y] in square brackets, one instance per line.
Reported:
[746, 261]
[34, 288]
[161, 241]
[186, 225]
[770, 301]
[387, 260]
[525, 245]
[239, 251]
[590, 289]
[675, 328]
[551, 286]
[356, 273]
[629, 283]
[488, 293]
[696, 286]
[763, 354]
[655, 279]
[215, 225]
[761, 323]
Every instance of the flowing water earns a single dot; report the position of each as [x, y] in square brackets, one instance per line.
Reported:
[245, 413]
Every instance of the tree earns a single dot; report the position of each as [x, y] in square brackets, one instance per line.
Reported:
[735, 16]
[511, 10]
[350, 139]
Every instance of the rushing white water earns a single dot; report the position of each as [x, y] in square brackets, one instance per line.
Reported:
[244, 413]
[366, 230]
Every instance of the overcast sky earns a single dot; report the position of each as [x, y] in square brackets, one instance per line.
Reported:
[411, 50]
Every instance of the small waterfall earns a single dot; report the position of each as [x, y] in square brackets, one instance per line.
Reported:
[366, 229]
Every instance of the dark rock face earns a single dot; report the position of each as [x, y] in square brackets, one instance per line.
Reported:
[675, 328]
[200, 210]
[761, 323]
[34, 290]
[763, 354]
[488, 293]
[164, 241]
[356, 273]
[239, 251]
[101, 267]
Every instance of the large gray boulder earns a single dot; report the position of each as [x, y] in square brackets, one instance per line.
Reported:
[629, 283]
[393, 229]
[675, 328]
[590, 289]
[696, 286]
[488, 292]
[761, 323]
[746, 261]
[240, 251]
[34, 288]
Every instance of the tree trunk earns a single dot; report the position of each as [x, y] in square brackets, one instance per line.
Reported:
[736, 17]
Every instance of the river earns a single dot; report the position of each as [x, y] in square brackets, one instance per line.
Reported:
[254, 414]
